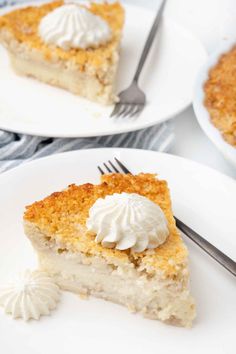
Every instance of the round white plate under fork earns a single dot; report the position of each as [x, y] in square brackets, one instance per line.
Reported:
[203, 198]
[28, 106]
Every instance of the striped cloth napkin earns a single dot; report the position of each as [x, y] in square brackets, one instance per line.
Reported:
[18, 148]
[12, 2]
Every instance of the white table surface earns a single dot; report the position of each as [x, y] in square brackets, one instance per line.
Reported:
[205, 19]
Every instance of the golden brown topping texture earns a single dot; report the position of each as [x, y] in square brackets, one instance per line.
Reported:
[220, 96]
[63, 216]
[23, 25]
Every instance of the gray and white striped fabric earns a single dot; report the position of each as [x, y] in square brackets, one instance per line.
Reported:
[18, 148]
[11, 2]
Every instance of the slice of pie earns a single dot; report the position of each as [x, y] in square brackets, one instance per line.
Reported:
[89, 72]
[154, 282]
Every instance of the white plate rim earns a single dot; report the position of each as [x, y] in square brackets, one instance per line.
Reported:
[116, 130]
[201, 111]
[118, 149]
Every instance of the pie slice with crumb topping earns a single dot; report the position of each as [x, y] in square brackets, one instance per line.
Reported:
[90, 72]
[154, 282]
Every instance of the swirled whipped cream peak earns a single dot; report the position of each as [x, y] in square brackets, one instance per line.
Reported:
[74, 26]
[128, 221]
[30, 295]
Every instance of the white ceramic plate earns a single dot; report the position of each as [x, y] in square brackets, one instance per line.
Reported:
[31, 107]
[202, 197]
[201, 112]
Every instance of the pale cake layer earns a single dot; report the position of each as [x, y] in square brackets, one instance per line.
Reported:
[154, 297]
[77, 82]
[90, 73]
[62, 218]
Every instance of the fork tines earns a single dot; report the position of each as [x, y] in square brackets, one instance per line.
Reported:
[110, 167]
[130, 110]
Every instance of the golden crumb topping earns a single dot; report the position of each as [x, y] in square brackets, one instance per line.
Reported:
[23, 25]
[220, 96]
[63, 216]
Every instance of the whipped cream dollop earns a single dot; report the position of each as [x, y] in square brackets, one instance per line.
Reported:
[31, 295]
[74, 26]
[124, 221]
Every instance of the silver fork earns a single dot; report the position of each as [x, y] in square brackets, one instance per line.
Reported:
[118, 167]
[132, 100]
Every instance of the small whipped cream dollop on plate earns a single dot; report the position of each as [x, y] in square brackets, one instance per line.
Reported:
[29, 296]
[74, 26]
[128, 221]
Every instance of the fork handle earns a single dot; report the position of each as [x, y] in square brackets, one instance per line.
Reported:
[149, 41]
[214, 252]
